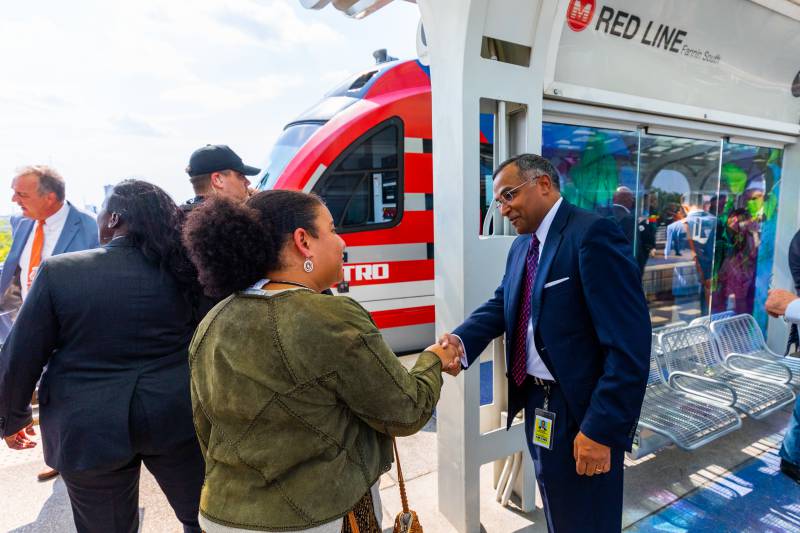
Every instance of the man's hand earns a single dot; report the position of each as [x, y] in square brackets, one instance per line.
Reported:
[451, 362]
[778, 300]
[19, 441]
[450, 340]
[590, 457]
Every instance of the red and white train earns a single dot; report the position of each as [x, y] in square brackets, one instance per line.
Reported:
[365, 148]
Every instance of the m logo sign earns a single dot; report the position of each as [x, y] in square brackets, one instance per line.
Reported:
[579, 14]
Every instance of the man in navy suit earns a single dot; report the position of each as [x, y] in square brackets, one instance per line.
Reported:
[577, 333]
[48, 226]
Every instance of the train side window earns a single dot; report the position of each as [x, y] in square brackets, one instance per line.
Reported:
[363, 188]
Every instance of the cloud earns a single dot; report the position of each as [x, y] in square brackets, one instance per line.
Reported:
[274, 24]
[271, 24]
[335, 77]
[221, 96]
[130, 125]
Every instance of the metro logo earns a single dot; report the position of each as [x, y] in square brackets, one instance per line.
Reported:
[367, 272]
[579, 14]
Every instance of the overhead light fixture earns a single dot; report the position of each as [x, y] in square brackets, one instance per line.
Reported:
[357, 9]
[314, 4]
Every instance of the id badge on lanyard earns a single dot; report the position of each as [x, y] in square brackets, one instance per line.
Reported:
[543, 423]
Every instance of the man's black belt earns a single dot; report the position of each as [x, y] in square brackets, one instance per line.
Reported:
[541, 382]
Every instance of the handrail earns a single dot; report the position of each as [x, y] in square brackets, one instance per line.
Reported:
[674, 384]
[777, 366]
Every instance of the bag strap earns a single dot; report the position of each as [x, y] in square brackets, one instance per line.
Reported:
[351, 517]
[400, 480]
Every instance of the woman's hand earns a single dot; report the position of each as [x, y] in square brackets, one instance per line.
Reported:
[450, 357]
[19, 441]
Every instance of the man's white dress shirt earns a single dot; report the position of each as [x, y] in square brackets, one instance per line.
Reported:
[53, 225]
[793, 312]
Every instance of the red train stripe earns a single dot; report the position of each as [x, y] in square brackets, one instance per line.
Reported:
[416, 226]
[410, 316]
[419, 173]
[397, 271]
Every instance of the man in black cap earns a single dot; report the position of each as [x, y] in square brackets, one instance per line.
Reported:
[216, 169]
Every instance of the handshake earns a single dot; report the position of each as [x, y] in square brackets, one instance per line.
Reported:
[450, 351]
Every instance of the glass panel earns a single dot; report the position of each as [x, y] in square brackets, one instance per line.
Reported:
[358, 198]
[745, 244]
[362, 188]
[503, 134]
[679, 181]
[598, 173]
[487, 164]
[701, 215]
[377, 152]
[284, 150]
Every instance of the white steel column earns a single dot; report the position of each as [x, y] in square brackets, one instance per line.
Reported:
[787, 225]
[468, 267]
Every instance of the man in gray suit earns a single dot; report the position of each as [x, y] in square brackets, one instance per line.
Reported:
[49, 225]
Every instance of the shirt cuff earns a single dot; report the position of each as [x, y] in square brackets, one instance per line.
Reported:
[792, 314]
[464, 360]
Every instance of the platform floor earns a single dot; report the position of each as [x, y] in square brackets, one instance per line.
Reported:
[731, 485]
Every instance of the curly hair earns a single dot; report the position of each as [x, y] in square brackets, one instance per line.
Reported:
[234, 245]
[154, 224]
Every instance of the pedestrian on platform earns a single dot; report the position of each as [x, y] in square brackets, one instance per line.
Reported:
[577, 333]
[784, 303]
[216, 170]
[112, 326]
[49, 225]
[295, 393]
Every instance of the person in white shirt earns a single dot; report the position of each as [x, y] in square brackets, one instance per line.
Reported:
[781, 302]
[49, 226]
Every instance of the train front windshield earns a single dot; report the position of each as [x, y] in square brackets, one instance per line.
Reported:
[287, 145]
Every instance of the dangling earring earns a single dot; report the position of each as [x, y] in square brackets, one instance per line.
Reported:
[308, 266]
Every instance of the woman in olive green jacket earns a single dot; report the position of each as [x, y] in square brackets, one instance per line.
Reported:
[295, 393]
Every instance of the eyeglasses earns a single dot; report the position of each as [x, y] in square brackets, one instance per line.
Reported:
[507, 196]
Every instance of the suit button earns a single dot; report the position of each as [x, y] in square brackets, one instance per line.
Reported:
[2, 424]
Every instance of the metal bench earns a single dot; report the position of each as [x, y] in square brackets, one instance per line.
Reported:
[695, 366]
[741, 335]
[685, 420]
[707, 320]
[672, 326]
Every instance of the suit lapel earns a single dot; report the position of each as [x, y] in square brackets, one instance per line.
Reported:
[21, 236]
[20, 239]
[71, 227]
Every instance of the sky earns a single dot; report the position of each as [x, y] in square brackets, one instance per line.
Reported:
[104, 90]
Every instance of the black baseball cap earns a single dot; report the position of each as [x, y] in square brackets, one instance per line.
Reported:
[215, 158]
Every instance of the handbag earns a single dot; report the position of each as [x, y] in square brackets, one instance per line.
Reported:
[406, 520]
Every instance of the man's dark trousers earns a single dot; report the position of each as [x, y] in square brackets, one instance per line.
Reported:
[574, 503]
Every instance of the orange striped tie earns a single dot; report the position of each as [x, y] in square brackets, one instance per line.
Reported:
[36, 251]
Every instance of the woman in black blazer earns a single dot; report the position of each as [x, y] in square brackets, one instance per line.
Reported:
[112, 327]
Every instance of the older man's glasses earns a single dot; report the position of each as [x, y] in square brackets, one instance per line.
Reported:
[506, 197]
